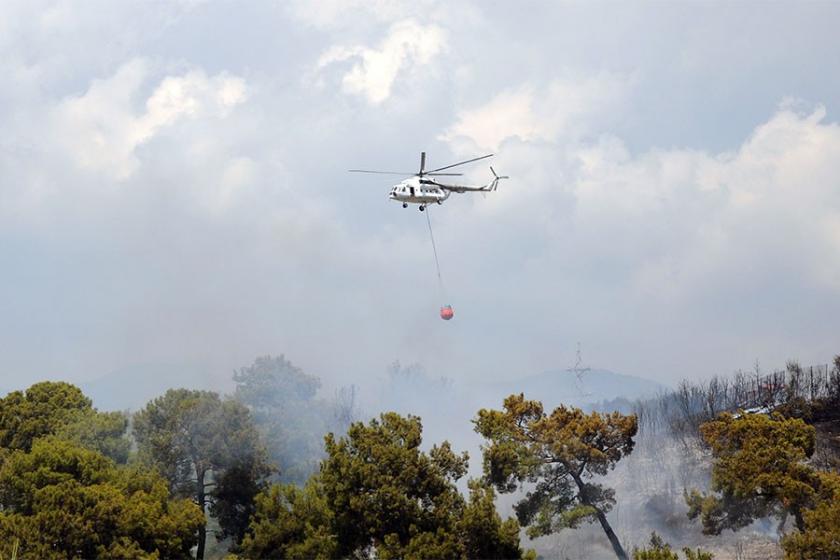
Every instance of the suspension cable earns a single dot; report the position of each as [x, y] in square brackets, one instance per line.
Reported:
[434, 249]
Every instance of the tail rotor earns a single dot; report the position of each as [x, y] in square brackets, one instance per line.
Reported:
[496, 178]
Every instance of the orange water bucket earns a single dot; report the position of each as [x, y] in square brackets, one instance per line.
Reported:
[446, 312]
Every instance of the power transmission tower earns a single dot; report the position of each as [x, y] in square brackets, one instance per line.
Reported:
[579, 372]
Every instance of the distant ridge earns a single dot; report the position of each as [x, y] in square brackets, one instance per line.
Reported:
[132, 387]
[555, 387]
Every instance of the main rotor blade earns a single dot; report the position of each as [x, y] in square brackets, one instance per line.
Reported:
[444, 174]
[407, 174]
[459, 163]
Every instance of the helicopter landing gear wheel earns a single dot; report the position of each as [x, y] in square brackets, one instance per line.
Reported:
[422, 208]
[439, 202]
[405, 205]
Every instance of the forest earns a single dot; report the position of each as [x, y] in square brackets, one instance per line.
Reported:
[275, 470]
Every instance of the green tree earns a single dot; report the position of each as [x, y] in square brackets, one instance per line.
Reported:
[233, 495]
[291, 420]
[196, 440]
[560, 454]
[272, 382]
[658, 549]
[486, 536]
[697, 554]
[820, 535]
[380, 484]
[291, 522]
[759, 470]
[101, 431]
[56, 407]
[60, 500]
[378, 494]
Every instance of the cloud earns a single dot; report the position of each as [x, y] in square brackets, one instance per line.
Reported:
[373, 72]
[659, 244]
[155, 205]
[563, 108]
[101, 129]
[329, 14]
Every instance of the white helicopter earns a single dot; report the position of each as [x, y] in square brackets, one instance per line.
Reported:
[420, 189]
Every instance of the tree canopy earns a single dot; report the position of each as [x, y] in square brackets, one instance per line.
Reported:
[101, 431]
[820, 535]
[658, 549]
[559, 453]
[291, 522]
[759, 470]
[272, 382]
[56, 407]
[208, 449]
[378, 493]
[59, 500]
[292, 422]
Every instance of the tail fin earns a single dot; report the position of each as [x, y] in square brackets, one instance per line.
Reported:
[494, 184]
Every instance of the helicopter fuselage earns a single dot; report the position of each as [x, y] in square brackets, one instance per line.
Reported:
[418, 191]
[422, 190]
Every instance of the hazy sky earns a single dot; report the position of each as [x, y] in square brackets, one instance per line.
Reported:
[173, 186]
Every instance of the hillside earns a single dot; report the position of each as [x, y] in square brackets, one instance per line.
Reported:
[132, 387]
[555, 387]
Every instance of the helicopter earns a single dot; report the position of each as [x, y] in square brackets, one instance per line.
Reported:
[422, 188]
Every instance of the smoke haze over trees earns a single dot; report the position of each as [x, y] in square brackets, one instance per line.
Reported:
[290, 418]
[199, 451]
[201, 444]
